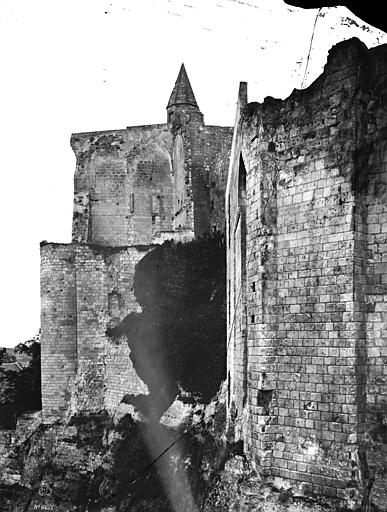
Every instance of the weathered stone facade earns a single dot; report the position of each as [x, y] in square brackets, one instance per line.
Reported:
[133, 188]
[305, 214]
[306, 207]
[84, 290]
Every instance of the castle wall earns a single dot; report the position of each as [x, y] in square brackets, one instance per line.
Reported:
[371, 187]
[132, 188]
[375, 306]
[311, 253]
[136, 185]
[106, 297]
[236, 285]
[121, 377]
[58, 327]
[123, 185]
[85, 290]
[219, 144]
[183, 213]
[92, 304]
[206, 153]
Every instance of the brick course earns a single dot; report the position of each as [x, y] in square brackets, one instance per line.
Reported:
[305, 218]
[306, 328]
[133, 188]
[98, 371]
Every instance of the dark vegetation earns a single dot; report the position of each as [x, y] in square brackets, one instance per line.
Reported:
[5, 357]
[179, 338]
[20, 392]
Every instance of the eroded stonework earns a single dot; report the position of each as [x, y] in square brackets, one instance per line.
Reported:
[133, 188]
[307, 276]
[305, 217]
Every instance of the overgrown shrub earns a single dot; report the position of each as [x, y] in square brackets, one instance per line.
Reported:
[179, 338]
[21, 392]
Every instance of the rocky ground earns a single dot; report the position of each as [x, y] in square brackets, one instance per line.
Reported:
[98, 463]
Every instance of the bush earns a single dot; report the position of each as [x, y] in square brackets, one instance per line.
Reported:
[179, 338]
[21, 392]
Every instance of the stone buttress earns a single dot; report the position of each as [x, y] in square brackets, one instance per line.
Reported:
[306, 211]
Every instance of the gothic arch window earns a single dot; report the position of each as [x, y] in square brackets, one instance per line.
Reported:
[242, 215]
[242, 186]
[243, 233]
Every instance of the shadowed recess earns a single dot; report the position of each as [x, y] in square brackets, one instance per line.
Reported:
[178, 340]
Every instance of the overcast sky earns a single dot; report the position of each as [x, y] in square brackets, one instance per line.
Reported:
[84, 65]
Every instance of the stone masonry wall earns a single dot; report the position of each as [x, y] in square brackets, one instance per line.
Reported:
[82, 369]
[206, 151]
[106, 297]
[133, 186]
[123, 185]
[58, 326]
[236, 285]
[183, 214]
[371, 189]
[315, 211]
[219, 144]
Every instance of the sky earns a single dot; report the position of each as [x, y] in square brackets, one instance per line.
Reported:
[70, 66]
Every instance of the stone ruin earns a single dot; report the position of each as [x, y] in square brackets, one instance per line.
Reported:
[299, 186]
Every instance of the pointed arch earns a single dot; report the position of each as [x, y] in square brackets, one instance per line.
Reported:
[240, 287]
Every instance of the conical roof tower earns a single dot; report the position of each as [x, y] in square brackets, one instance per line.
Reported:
[182, 99]
[182, 93]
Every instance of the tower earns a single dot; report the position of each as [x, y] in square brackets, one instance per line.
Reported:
[200, 161]
[182, 106]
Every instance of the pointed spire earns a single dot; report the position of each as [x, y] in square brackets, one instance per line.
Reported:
[182, 93]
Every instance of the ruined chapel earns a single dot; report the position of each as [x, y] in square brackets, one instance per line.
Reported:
[299, 187]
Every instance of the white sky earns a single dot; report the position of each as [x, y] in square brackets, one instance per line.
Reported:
[83, 65]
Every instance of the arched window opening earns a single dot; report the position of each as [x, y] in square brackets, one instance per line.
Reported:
[243, 270]
[242, 216]
[242, 186]
[240, 288]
